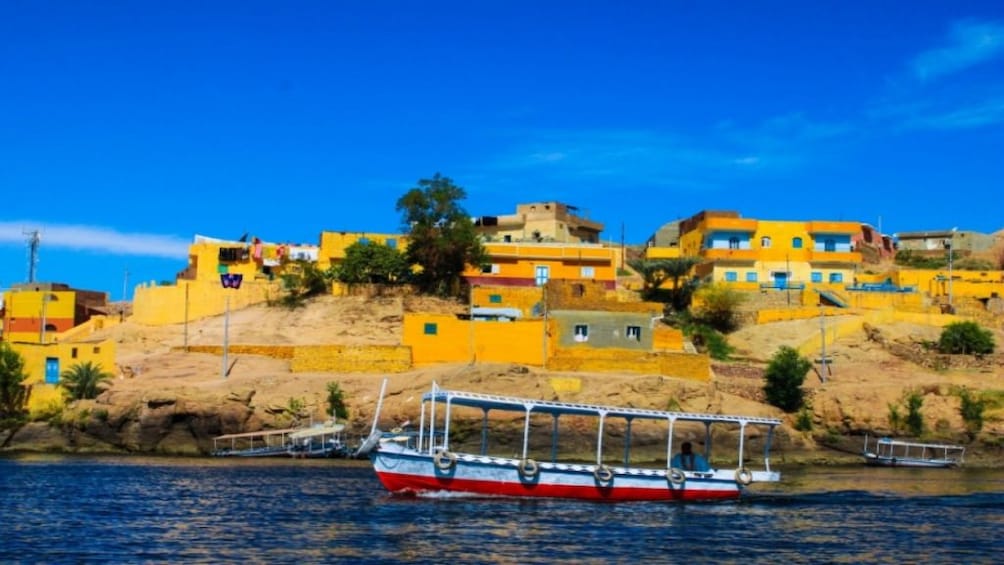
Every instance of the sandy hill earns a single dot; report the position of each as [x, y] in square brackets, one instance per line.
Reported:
[868, 374]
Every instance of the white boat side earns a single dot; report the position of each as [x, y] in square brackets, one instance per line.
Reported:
[422, 462]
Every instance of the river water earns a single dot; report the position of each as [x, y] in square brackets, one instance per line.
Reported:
[166, 510]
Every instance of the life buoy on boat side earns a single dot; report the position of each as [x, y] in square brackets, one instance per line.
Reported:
[676, 477]
[603, 474]
[528, 469]
[744, 476]
[444, 460]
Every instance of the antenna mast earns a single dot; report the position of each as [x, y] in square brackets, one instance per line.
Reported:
[33, 243]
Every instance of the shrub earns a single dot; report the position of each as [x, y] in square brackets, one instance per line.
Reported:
[803, 422]
[336, 401]
[785, 375]
[966, 338]
[914, 419]
[895, 418]
[719, 308]
[971, 410]
[713, 342]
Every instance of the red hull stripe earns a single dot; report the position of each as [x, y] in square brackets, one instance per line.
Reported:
[413, 484]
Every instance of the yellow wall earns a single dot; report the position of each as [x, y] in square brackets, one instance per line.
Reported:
[323, 358]
[653, 253]
[975, 284]
[691, 366]
[164, 305]
[458, 340]
[526, 299]
[665, 338]
[24, 311]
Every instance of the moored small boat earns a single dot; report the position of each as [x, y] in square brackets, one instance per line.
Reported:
[889, 452]
[438, 458]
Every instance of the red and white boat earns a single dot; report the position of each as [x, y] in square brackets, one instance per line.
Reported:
[518, 453]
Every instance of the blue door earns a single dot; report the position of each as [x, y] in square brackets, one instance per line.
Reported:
[781, 280]
[52, 370]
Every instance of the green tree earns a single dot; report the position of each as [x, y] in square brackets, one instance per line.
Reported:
[442, 239]
[85, 380]
[372, 263]
[719, 308]
[13, 392]
[966, 338]
[657, 271]
[336, 401]
[971, 408]
[785, 375]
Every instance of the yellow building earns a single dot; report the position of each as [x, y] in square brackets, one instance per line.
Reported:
[334, 243]
[534, 264]
[770, 254]
[36, 312]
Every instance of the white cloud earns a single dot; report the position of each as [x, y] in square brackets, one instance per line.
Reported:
[976, 116]
[96, 239]
[970, 43]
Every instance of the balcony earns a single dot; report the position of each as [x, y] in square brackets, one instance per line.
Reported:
[842, 257]
[834, 227]
[730, 254]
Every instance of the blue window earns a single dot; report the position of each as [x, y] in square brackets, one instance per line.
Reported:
[829, 245]
[733, 243]
[495, 298]
[392, 243]
[730, 276]
[796, 243]
[750, 276]
[817, 277]
[836, 277]
[431, 328]
[364, 240]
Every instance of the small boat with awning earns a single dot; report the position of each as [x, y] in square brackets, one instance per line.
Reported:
[887, 452]
[520, 451]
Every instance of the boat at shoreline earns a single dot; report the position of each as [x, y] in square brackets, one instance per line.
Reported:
[267, 443]
[326, 440]
[897, 453]
[439, 458]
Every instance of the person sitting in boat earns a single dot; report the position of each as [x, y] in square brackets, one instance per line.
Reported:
[687, 460]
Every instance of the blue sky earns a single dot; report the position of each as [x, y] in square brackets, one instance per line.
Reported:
[128, 127]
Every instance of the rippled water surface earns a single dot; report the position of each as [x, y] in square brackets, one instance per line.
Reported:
[155, 510]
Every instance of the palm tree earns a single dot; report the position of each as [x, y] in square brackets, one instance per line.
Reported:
[657, 271]
[85, 380]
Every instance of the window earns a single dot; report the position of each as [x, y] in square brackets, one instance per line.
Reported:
[581, 332]
[733, 243]
[97, 350]
[392, 243]
[431, 328]
[796, 243]
[495, 298]
[730, 276]
[836, 277]
[364, 240]
[490, 269]
[751, 276]
[817, 277]
[829, 245]
[587, 272]
[633, 333]
[541, 274]
[73, 353]
[765, 242]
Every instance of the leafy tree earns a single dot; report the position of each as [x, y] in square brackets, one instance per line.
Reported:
[657, 271]
[720, 308]
[442, 239]
[785, 375]
[85, 380]
[336, 401]
[706, 338]
[372, 263]
[13, 392]
[967, 338]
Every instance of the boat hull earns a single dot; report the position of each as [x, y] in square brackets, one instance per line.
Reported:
[413, 473]
[879, 461]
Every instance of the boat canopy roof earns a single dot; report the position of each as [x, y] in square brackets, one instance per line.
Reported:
[890, 441]
[262, 433]
[317, 431]
[493, 402]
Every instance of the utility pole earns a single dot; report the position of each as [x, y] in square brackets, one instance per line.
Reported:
[822, 356]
